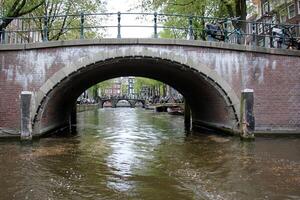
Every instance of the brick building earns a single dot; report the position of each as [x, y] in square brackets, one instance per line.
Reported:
[115, 89]
[279, 11]
[276, 12]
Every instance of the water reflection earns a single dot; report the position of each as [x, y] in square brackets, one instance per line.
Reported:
[129, 153]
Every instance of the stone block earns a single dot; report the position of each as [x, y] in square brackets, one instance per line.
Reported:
[26, 115]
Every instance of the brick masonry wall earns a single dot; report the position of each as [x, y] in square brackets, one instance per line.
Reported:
[277, 92]
[274, 78]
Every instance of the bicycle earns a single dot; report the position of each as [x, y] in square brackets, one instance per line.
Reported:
[219, 32]
[285, 37]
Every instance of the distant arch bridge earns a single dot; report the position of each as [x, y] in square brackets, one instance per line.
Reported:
[115, 100]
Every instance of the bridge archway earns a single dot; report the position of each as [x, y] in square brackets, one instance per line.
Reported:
[213, 103]
[120, 100]
[140, 102]
[105, 101]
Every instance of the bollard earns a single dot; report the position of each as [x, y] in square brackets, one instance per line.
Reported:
[247, 120]
[26, 128]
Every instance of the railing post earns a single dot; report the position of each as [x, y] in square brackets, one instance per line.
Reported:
[254, 34]
[119, 25]
[226, 30]
[155, 25]
[191, 32]
[283, 37]
[271, 36]
[81, 25]
[45, 38]
[3, 36]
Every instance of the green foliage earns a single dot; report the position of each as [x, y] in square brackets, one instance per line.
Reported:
[155, 85]
[63, 27]
[16, 8]
[207, 8]
[124, 89]
[102, 86]
[11, 9]
[59, 26]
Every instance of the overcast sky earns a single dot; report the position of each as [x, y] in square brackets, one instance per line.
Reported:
[128, 6]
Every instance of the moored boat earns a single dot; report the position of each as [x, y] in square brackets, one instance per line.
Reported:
[177, 110]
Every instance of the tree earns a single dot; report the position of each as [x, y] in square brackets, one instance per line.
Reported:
[102, 86]
[191, 7]
[237, 8]
[207, 8]
[62, 17]
[156, 87]
[16, 8]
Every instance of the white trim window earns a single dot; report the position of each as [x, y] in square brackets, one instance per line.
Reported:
[283, 15]
[274, 19]
[266, 8]
[291, 11]
[260, 29]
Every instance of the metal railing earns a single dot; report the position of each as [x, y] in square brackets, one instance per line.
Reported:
[90, 26]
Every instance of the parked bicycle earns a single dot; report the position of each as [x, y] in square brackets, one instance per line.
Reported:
[284, 37]
[215, 31]
[219, 30]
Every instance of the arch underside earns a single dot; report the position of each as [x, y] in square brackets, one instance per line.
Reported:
[209, 102]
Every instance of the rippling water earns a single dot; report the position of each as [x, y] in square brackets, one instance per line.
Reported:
[136, 154]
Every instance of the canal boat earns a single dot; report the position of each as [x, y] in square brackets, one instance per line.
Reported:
[176, 110]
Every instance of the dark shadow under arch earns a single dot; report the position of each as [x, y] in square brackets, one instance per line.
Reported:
[209, 102]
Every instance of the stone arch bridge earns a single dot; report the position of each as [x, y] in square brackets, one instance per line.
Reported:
[211, 77]
[114, 101]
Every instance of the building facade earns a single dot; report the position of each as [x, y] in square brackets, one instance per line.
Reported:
[271, 12]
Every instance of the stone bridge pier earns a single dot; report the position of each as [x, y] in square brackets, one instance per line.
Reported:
[229, 88]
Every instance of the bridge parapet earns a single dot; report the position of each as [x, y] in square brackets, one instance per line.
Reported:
[215, 29]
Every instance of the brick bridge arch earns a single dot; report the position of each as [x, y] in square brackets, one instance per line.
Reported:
[210, 75]
[212, 100]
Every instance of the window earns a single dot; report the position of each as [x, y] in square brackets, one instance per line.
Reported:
[266, 25]
[259, 28]
[299, 7]
[291, 11]
[283, 15]
[261, 43]
[266, 8]
[274, 19]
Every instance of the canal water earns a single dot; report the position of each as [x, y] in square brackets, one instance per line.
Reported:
[129, 153]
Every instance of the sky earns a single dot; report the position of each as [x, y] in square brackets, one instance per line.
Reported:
[128, 6]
